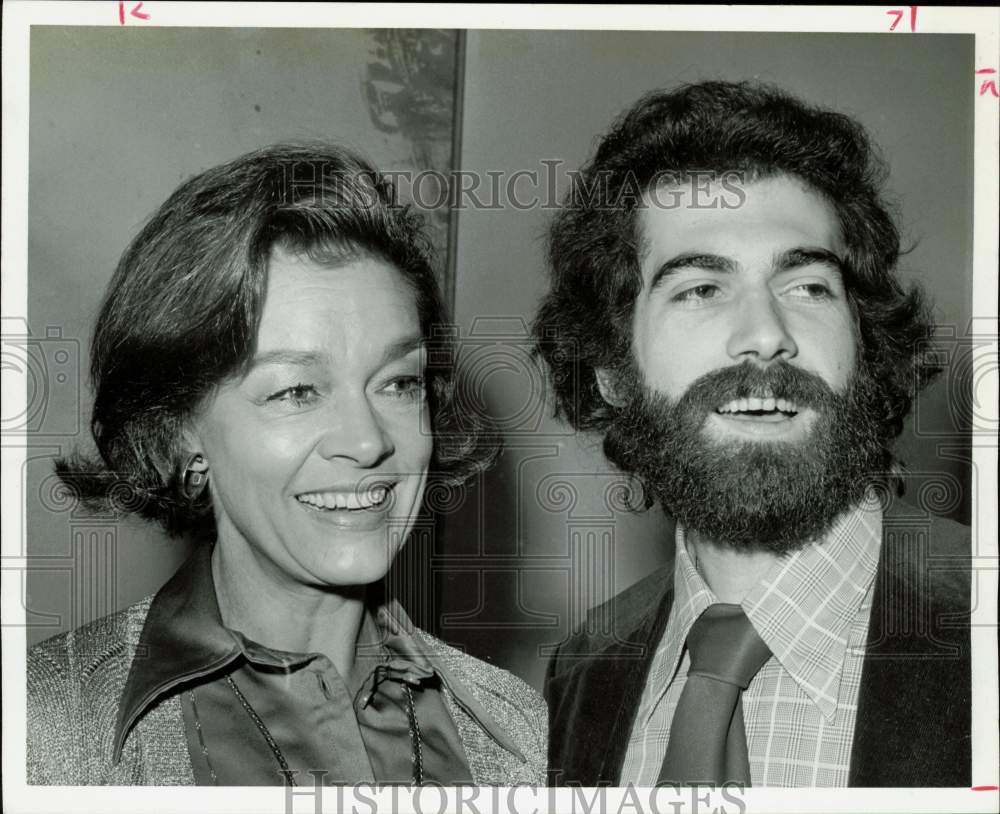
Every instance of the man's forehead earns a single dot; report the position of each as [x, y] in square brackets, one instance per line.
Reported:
[727, 215]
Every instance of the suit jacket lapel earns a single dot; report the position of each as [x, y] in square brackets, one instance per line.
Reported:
[913, 715]
[593, 704]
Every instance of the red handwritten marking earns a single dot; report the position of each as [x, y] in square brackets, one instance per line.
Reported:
[986, 788]
[135, 12]
[899, 16]
[988, 85]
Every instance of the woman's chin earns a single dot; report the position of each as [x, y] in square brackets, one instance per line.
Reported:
[351, 565]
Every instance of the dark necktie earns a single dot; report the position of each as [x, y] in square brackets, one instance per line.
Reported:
[708, 744]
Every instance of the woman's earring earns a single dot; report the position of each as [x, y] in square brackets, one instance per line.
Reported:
[194, 478]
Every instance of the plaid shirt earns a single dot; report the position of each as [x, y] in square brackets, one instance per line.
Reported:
[812, 609]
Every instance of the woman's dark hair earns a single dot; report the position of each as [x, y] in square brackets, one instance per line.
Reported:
[755, 131]
[182, 311]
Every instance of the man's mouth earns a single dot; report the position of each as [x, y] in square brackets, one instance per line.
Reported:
[760, 409]
[346, 500]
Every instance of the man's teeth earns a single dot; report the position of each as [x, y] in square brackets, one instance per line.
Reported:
[766, 405]
[345, 500]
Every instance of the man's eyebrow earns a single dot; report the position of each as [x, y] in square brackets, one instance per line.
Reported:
[697, 260]
[799, 257]
[785, 261]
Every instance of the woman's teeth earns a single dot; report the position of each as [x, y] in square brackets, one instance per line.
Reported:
[355, 501]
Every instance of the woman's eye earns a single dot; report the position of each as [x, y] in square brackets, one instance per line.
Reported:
[411, 387]
[300, 395]
[706, 291]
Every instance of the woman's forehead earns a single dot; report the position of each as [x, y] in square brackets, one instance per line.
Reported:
[362, 304]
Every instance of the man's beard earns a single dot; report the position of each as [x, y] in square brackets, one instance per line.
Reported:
[770, 495]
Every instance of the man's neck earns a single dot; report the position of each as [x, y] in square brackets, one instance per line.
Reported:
[729, 572]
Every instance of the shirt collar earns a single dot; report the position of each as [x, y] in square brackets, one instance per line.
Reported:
[805, 605]
[802, 608]
[691, 597]
[183, 638]
[404, 639]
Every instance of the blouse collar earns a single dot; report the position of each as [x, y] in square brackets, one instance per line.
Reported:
[183, 639]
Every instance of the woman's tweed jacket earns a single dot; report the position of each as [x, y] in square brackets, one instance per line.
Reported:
[75, 681]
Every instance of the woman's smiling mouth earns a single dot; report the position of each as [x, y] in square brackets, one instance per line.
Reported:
[356, 500]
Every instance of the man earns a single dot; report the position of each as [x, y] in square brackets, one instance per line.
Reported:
[724, 309]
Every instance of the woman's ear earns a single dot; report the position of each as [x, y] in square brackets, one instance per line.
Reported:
[197, 463]
[190, 439]
[607, 383]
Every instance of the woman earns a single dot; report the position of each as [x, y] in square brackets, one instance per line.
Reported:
[268, 379]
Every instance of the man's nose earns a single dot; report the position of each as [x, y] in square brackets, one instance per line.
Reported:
[355, 432]
[761, 331]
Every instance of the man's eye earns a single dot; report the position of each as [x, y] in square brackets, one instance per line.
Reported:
[706, 291]
[406, 387]
[814, 291]
[298, 395]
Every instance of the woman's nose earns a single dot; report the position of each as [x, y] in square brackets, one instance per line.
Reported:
[356, 433]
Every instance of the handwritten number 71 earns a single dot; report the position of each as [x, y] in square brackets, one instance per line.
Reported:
[898, 14]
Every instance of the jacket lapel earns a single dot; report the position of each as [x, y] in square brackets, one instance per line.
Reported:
[593, 703]
[913, 716]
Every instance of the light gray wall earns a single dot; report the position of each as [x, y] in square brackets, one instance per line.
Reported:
[533, 95]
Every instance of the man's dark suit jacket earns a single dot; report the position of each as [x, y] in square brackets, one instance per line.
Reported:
[913, 718]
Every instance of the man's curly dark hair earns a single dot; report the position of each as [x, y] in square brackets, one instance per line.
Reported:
[754, 130]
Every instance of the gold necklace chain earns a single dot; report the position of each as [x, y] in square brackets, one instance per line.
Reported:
[262, 728]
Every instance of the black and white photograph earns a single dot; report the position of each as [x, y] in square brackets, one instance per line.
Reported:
[499, 408]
